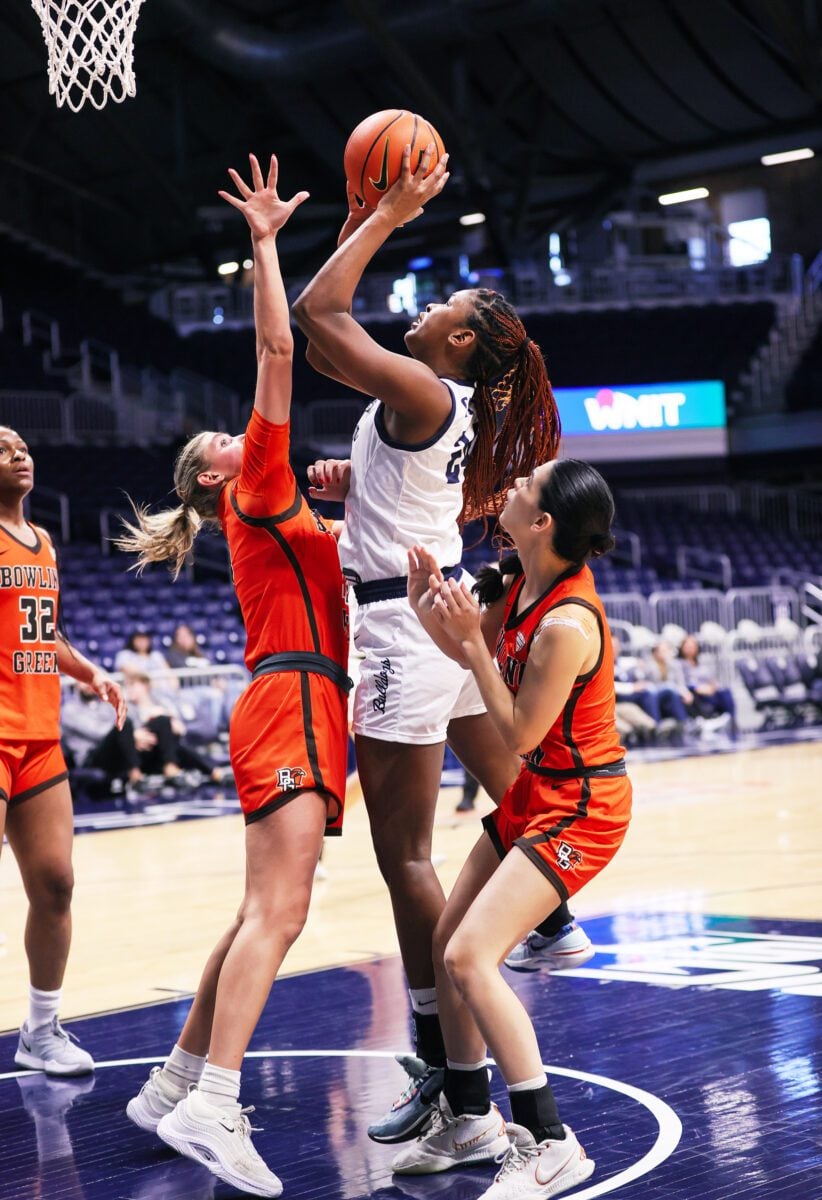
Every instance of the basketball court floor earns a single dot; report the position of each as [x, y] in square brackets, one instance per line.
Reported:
[686, 1054]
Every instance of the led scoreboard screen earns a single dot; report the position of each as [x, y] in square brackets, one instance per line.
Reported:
[646, 420]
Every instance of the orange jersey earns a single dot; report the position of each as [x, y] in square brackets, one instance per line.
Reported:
[569, 808]
[29, 677]
[584, 734]
[284, 558]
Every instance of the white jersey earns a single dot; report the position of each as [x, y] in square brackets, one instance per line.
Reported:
[404, 494]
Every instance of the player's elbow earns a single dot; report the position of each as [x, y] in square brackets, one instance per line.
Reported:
[311, 310]
[521, 741]
[277, 348]
[303, 310]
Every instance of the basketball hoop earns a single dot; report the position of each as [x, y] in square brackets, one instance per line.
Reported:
[91, 49]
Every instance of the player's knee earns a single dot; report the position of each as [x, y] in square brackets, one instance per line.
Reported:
[54, 889]
[460, 960]
[287, 925]
[277, 921]
[400, 862]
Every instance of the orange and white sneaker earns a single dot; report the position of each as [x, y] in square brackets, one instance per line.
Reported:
[452, 1141]
[534, 1170]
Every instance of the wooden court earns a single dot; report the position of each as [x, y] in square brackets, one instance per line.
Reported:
[685, 1052]
[730, 834]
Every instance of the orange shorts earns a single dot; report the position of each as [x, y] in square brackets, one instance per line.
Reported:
[569, 828]
[27, 768]
[289, 734]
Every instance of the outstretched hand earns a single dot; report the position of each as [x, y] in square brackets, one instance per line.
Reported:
[262, 208]
[424, 579]
[329, 478]
[106, 688]
[458, 613]
[405, 200]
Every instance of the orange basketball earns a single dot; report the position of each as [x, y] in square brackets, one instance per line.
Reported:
[373, 154]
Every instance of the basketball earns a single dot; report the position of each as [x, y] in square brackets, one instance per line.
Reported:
[373, 154]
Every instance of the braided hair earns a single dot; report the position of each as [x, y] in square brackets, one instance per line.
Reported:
[518, 424]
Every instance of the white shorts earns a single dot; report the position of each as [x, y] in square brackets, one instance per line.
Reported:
[406, 689]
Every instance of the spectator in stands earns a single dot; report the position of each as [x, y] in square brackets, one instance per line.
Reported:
[84, 722]
[656, 688]
[150, 742]
[634, 722]
[714, 703]
[205, 708]
[634, 726]
[631, 684]
[137, 655]
[185, 650]
[666, 676]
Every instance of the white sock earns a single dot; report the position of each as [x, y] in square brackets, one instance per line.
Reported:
[220, 1086]
[529, 1085]
[182, 1068]
[423, 1000]
[43, 1006]
[455, 1066]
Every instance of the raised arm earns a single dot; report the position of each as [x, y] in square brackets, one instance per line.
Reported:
[357, 213]
[557, 657]
[339, 345]
[266, 214]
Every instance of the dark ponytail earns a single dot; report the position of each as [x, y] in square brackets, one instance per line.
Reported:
[490, 583]
[580, 501]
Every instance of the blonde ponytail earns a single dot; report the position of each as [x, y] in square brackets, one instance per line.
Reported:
[157, 537]
[170, 534]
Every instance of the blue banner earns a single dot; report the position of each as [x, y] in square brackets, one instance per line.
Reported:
[635, 408]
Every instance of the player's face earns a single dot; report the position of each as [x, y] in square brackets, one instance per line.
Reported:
[225, 454]
[523, 505]
[430, 330]
[16, 464]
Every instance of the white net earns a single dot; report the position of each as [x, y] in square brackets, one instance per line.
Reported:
[91, 49]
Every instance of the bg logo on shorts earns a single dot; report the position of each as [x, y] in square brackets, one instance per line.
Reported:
[289, 778]
[567, 857]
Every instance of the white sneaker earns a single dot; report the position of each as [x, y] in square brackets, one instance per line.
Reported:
[49, 1048]
[571, 947]
[156, 1099]
[539, 1170]
[712, 725]
[220, 1139]
[453, 1141]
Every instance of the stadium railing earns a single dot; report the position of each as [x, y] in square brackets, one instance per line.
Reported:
[709, 566]
[690, 610]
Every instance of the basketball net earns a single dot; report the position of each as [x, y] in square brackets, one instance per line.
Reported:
[91, 49]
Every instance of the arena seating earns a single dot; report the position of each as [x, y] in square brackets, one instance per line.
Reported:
[805, 387]
[787, 690]
[103, 605]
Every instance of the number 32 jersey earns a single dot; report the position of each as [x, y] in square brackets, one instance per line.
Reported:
[29, 678]
[402, 494]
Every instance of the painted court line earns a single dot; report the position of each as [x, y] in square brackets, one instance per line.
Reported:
[670, 1126]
